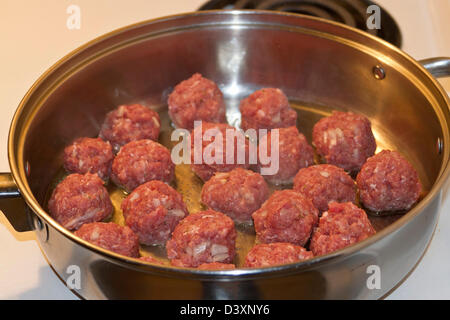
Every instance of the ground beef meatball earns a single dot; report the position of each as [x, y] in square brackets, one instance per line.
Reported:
[325, 183]
[271, 254]
[152, 211]
[130, 123]
[196, 98]
[388, 182]
[237, 193]
[286, 216]
[141, 161]
[216, 266]
[294, 153]
[206, 167]
[110, 236]
[267, 109]
[80, 199]
[344, 139]
[341, 226]
[89, 155]
[202, 237]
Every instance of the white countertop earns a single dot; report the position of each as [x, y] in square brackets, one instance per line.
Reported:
[34, 36]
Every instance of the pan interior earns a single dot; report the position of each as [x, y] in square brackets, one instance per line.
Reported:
[190, 186]
[318, 73]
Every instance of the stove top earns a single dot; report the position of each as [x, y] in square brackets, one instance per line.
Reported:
[350, 12]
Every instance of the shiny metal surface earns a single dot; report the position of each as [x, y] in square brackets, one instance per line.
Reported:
[8, 188]
[438, 67]
[13, 205]
[321, 66]
[352, 13]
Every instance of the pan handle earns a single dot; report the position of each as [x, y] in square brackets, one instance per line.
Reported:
[438, 67]
[12, 204]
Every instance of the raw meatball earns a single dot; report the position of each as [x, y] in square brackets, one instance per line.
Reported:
[267, 109]
[206, 170]
[80, 199]
[294, 153]
[216, 266]
[152, 211]
[110, 236]
[141, 161]
[341, 226]
[388, 182]
[325, 183]
[265, 255]
[89, 155]
[344, 139]
[130, 123]
[202, 237]
[196, 98]
[237, 193]
[286, 216]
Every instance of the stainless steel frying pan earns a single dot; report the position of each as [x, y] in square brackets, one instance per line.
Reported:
[320, 65]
